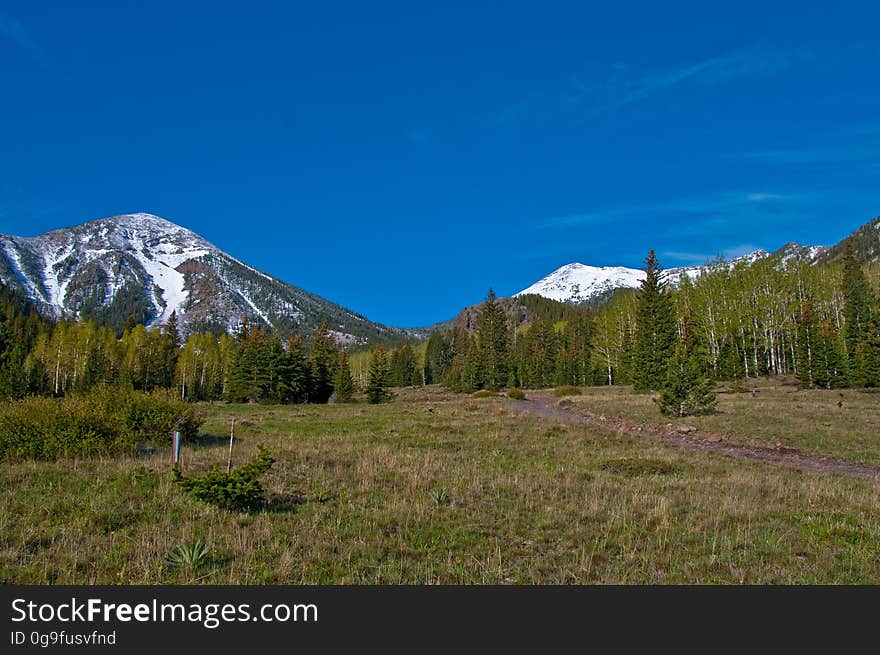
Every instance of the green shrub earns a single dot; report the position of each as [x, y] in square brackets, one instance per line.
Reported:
[239, 490]
[103, 421]
[639, 466]
[484, 393]
[559, 392]
[686, 390]
[516, 394]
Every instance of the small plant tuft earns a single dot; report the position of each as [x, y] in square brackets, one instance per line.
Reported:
[516, 394]
[189, 556]
[484, 393]
[440, 497]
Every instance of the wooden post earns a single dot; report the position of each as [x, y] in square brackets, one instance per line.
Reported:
[231, 439]
[175, 449]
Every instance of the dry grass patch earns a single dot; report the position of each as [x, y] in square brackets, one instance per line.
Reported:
[399, 494]
[841, 423]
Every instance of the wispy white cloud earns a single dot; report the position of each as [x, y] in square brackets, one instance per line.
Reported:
[712, 209]
[621, 85]
[720, 68]
[14, 31]
[761, 197]
[747, 62]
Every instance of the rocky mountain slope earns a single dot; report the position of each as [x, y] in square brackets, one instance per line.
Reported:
[142, 268]
[865, 244]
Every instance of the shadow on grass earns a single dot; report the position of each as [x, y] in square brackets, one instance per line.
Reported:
[209, 440]
[203, 441]
[289, 504]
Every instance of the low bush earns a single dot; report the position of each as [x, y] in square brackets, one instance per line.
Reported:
[559, 392]
[516, 394]
[103, 421]
[484, 393]
[639, 466]
[239, 490]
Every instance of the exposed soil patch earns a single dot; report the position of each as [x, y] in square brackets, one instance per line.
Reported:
[546, 406]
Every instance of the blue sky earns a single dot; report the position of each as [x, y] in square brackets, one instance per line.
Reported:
[400, 159]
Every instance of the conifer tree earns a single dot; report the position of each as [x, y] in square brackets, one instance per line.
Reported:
[20, 329]
[438, 357]
[655, 338]
[295, 379]
[343, 382]
[173, 331]
[820, 361]
[686, 390]
[169, 347]
[493, 344]
[253, 374]
[403, 366]
[378, 380]
[868, 359]
[857, 310]
[324, 354]
[471, 367]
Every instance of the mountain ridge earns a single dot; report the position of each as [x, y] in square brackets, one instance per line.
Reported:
[143, 267]
[579, 284]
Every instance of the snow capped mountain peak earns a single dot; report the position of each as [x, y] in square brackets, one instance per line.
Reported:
[577, 283]
[143, 267]
[139, 228]
[116, 252]
[142, 220]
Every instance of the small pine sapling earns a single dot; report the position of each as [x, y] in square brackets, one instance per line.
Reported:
[239, 490]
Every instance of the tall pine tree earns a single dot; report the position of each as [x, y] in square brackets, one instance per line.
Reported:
[857, 311]
[493, 344]
[343, 383]
[686, 389]
[295, 378]
[403, 366]
[322, 360]
[438, 357]
[379, 377]
[656, 333]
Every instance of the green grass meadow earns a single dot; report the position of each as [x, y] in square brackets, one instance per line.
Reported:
[437, 488]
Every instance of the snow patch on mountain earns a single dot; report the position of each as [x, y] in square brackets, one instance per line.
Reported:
[146, 267]
[159, 246]
[578, 283]
[15, 263]
[56, 288]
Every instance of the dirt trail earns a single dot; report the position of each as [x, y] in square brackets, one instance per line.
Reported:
[546, 406]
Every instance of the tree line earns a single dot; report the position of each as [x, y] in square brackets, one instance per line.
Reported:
[42, 357]
[733, 322]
